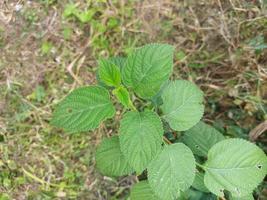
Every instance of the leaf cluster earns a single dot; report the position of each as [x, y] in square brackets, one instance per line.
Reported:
[202, 159]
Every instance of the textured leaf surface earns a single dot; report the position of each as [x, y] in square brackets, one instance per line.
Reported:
[199, 182]
[123, 96]
[109, 73]
[201, 137]
[182, 105]
[142, 191]
[192, 194]
[109, 159]
[140, 138]
[147, 68]
[172, 171]
[235, 165]
[248, 197]
[83, 109]
[118, 61]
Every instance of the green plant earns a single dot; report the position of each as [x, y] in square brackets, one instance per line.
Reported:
[163, 138]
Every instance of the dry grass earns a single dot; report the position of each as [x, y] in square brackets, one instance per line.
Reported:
[44, 55]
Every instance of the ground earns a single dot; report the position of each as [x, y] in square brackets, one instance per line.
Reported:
[50, 47]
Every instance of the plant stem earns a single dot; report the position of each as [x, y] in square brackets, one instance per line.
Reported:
[132, 107]
[41, 181]
[201, 166]
[166, 140]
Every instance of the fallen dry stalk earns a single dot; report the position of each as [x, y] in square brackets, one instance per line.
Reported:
[257, 131]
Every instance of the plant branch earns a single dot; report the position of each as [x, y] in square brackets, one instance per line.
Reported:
[201, 166]
[166, 140]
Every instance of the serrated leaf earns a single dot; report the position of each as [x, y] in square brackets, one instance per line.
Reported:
[142, 191]
[157, 100]
[182, 104]
[140, 138]
[123, 96]
[109, 73]
[172, 171]
[147, 68]
[83, 109]
[109, 159]
[118, 61]
[199, 182]
[235, 165]
[201, 137]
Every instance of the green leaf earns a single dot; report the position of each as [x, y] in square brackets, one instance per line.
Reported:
[147, 68]
[182, 104]
[70, 10]
[140, 138]
[85, 16]
[83, 109]
[118, 61]
[199, 183]
[123, 96]
[248, 197]
[110, 160]
[172, 171]
[235, 165]
[180, 55]
[192, 194]
[201, 137]
[109, 73]
[142, 191]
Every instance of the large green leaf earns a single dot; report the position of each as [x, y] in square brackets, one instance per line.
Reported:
[182, 104]
[109, 73]
[118, 61]
[142, 191]
[109, 159]
[248, 197]
[201, 137]
[235, 165]
[147, 68]
[172, 171]
[83, 109]
[140, 138]
[199, 182]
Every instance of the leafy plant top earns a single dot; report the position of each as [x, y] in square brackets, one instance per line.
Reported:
[199, 159]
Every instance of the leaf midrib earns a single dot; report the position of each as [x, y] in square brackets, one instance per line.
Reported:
[86, 109]
[222, 169]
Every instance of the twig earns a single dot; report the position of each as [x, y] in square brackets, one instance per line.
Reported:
[166, 140]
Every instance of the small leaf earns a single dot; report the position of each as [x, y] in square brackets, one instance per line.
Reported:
[172, 171]
[109, 73]
[180, 55]
[70, 10]
[182, 105]
[83, 109]
[85, 16]
[140, 138]
[201, 137]
[123, 96]
[235, 165]
[110, 160]
[147, 68]
[142, 191]
[199, 183]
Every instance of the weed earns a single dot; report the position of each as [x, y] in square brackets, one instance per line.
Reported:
[148, 144]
